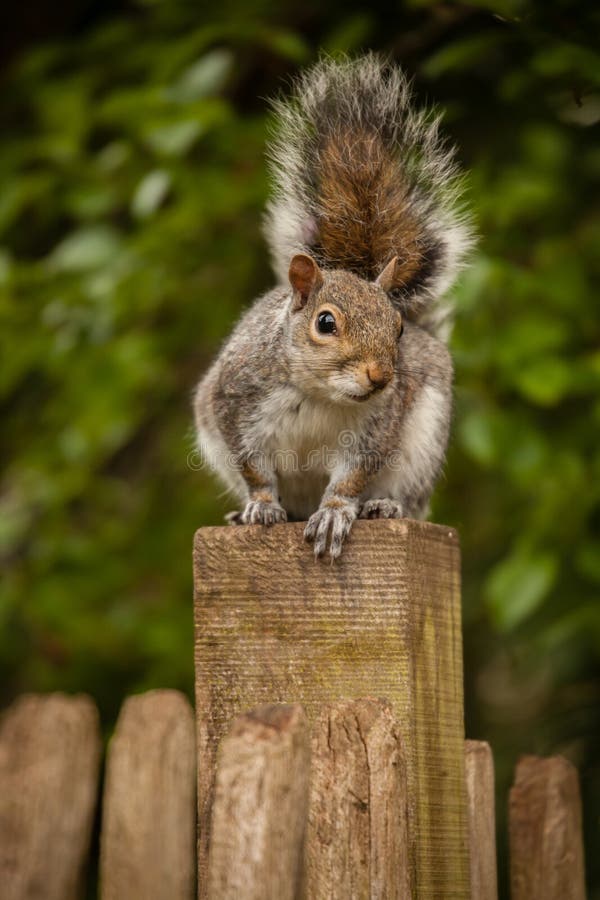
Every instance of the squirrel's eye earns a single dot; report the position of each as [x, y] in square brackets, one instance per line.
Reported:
[401, 330]
[326, 323]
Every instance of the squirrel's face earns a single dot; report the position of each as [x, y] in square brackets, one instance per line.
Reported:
[344, 333]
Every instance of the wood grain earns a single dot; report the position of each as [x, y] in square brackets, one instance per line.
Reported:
[479, 773]
[357, 837]
[49, 763]
[546, 846]
[260, 808]
[274, 626]
[148, 827]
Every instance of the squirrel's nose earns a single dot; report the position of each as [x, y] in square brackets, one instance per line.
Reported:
[379, 375]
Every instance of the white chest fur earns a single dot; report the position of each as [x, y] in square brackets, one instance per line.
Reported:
[303, 426]
[305, 441]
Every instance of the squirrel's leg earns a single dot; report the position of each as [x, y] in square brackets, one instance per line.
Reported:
[263, 507]
[337, 511]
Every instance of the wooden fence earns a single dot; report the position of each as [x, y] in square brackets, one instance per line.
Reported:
[295, 814]
[339, 796]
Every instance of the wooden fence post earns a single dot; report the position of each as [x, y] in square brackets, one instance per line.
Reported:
[546, 845]
[259, 813]
[479, 769]
[357, 837]
[274, 626]
[49, 762]
[148, 826]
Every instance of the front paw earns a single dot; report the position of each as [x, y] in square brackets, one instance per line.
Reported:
[381, 509]
[263, 512]
[333, 522]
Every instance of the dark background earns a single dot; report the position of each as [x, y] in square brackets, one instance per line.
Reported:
[132, 184]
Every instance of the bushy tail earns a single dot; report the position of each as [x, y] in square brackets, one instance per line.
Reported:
[361, 176]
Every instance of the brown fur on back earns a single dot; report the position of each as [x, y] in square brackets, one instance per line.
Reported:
[367, 216]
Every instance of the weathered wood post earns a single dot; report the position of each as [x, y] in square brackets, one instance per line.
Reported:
[274, 626]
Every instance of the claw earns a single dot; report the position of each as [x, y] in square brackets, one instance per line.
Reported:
[263, 512]
[331, 523]
[311, 528]
[383, 508]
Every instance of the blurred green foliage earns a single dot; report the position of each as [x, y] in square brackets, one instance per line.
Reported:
[133, 180]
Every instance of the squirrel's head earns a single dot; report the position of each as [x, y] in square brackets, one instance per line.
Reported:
[344, 332]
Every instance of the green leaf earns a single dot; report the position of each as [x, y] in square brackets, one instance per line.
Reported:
[92, 202]
[350, 34]
[545, 381]
[485, 434]
[517, 586]
[150, 193]
[287, 44]
[457, 55]
[207, 75]
[86, 248]
[588, 560]
[6, 265]
[175, 139]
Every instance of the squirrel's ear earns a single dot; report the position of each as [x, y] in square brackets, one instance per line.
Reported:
[305, 276]
[386, 279]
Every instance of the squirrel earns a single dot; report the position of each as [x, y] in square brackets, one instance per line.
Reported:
[332, 398]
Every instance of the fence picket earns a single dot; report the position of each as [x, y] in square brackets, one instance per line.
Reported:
[49, 761]
[357, 837]
[148, 830]
[546, 848]
[260, 804]
[479, 772]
